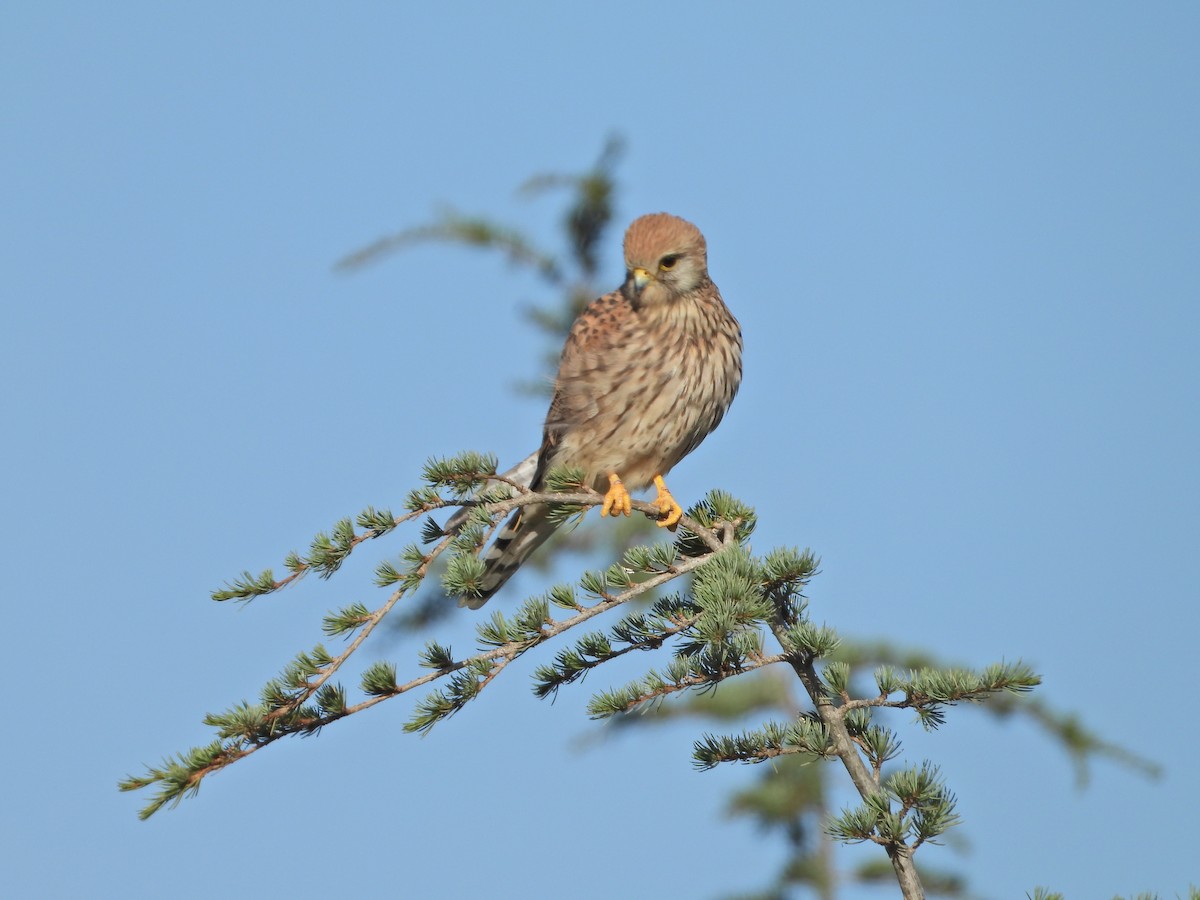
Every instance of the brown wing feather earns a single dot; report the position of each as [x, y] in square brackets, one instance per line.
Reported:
[591, 338]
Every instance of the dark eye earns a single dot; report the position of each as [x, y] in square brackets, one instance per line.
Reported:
[668, 262]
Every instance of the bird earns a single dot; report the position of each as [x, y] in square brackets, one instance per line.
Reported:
[646, 373]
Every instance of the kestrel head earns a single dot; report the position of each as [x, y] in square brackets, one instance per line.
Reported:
[665, 257]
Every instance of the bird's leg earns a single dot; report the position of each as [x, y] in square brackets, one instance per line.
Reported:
[617, 500]
[672, 512]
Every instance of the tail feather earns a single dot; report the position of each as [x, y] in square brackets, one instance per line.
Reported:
[524, 532]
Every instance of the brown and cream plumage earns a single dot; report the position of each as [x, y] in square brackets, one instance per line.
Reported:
[646, 374]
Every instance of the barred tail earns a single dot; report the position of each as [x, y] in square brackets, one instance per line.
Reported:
[527, 530]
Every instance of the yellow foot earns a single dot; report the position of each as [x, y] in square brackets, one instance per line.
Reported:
[671, 511]
[617, 500]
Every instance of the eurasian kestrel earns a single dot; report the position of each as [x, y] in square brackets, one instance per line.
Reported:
[646, 373]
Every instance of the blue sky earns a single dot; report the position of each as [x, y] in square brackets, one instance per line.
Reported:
[962, 243]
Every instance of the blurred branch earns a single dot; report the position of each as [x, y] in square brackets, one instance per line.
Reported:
[590, 214]
[452, 227]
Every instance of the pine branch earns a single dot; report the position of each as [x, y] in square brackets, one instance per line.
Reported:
[924, 807]
[929, 689]
[637, 631]
[246, 729]
[328, 550]
[684, 673]
[303, 699]
[715, 630]
[807, 735]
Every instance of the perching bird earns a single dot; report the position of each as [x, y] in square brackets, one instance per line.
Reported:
[646, 373]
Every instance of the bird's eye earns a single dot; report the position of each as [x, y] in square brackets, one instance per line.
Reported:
[668, 262]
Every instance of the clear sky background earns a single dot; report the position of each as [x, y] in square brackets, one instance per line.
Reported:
[963, 241]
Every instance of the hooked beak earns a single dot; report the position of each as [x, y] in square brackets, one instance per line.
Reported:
[640, 278]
